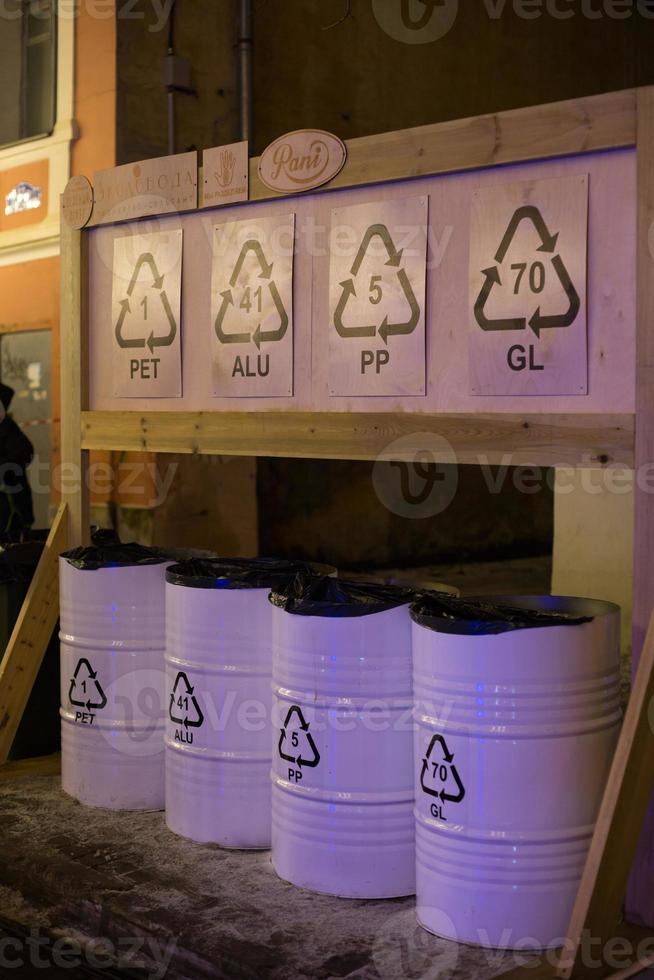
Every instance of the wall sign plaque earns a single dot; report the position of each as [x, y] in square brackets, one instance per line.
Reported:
[146, 303]
[77, 202]
[302, 160]
[252, 307]
[377, 298]
[164, 185]
[528, 256]
[23, 197]
[225, 173]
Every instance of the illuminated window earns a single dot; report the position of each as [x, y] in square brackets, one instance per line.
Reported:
[28, 64]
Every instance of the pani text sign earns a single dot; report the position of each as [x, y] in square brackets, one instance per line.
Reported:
[377, 298]
[252, 307]
[528, 268]
[146, 303]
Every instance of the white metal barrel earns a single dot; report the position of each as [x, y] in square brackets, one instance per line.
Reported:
[218, 729]
[342, 818]
[517, 717]
[112, 632]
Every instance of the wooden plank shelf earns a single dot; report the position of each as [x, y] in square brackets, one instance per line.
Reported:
[545, 440]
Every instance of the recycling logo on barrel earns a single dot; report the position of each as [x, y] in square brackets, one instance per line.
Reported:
[252, 290]
[296, 745]
[377, 299]
[184, 709]
[439, 777]
[86, 693]
[528, 257]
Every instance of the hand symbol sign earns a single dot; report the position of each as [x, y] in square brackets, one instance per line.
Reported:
[227, 164]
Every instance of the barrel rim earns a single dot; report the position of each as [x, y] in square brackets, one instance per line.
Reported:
[576, 606]
[324, 597]
[488, 614]
[235, 573]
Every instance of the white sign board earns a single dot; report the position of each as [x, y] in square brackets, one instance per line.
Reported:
[225, 175]
[528, 265]
[252, 307]
[378, 260]
[146, 295]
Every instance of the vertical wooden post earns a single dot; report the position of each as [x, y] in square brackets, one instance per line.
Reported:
[640, 896]
[74, 381]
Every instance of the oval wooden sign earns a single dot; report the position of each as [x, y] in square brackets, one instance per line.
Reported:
[301, 160]
[77, 202]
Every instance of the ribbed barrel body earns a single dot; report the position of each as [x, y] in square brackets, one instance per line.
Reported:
[112, 632]
[218, 731]
[515, 734]
[342, 753]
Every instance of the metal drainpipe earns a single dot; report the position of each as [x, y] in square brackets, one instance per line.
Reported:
[245, 45]
[171, 123]
[171, 92]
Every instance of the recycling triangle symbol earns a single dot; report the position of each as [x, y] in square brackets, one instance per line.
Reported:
[259, 336]
[494, 276]
[348, 292]
[439, 776]
[146, 260]
[85, 690]
[296, 743]
[184, 708]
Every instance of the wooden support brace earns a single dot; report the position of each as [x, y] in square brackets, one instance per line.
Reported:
[598, 908]
[31, 635]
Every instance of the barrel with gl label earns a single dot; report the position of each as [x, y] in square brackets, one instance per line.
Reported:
[112, 633]
[517, 711]
[342, 817]
[218, 729]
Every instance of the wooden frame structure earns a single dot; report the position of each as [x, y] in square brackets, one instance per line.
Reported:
[623, 120]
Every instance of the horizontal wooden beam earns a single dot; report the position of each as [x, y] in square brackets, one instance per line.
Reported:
[543, 440]
[585, 125]
[599, 122]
